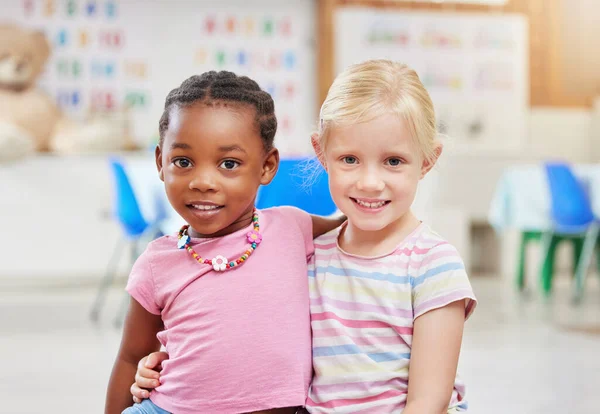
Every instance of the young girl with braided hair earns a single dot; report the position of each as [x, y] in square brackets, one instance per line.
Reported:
[228, 296]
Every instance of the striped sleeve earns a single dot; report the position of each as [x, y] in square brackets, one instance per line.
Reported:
[440, 280]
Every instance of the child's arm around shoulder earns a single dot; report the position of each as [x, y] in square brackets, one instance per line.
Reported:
[307, 222]
[142, 323]
[322, 225]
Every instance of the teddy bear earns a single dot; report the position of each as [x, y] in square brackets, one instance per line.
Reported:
[30, 120]
[28, 116]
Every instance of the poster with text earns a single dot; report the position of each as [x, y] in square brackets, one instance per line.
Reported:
[111, 54]
[474, 65]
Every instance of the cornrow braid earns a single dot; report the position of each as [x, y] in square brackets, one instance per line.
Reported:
[212, 87]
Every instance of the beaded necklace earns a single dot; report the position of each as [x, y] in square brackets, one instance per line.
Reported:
[221, 263]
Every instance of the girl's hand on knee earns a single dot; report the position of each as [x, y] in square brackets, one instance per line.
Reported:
[147, 376]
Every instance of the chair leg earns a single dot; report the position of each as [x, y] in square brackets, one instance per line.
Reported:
[585, 260]
[120, 315]
[107, 280]
[521, 264]
[547, 263]
[577, 250]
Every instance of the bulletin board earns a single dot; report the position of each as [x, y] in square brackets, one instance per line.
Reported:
[474, 65]
[108, 54]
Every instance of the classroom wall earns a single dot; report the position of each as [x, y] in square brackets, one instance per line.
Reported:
[45, 198]
[595, 131]
[469, 180]
[56, 222]
[563, 79]
[564, 133]
[563, 64]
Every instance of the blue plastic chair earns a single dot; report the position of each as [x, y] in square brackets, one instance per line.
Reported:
[126, 206]
[299, 183]
[134, 228]
[572, 215]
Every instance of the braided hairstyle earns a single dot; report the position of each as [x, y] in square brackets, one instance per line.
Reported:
[214, 87]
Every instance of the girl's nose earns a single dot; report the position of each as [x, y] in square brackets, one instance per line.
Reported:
[370, 181]
[203, 181]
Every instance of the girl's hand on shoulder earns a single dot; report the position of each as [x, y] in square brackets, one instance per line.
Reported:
[322, 225]
[147, 376]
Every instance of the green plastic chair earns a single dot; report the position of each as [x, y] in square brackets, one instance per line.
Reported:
[572, 220]
[547, 271]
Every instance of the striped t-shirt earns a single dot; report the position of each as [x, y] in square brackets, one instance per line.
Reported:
[362, 314]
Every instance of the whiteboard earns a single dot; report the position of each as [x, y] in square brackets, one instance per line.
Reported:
[474, 65]
[107, 53]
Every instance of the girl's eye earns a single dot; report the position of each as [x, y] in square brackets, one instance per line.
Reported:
[394, 162]
[349, 160]
[182, 163]
[229, 165]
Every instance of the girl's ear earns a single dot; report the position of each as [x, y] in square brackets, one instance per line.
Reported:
[270, 166]
[428, 164]
[315, 141]
[159, 166]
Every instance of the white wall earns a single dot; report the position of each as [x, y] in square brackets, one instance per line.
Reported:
[469, 181]
[562, 133]
[461, 189]
[595, 131]
[54, 217]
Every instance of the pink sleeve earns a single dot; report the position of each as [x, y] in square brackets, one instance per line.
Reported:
[304, 221]
[441, 280]
[141, 283]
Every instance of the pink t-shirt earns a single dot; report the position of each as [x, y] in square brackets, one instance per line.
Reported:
[239, 340]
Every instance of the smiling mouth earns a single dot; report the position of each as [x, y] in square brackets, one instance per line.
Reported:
[370, 204]
[205, 207]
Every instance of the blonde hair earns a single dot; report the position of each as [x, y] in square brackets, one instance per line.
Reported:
[370, 89]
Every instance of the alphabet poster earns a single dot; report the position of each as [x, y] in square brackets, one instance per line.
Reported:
[108, 54]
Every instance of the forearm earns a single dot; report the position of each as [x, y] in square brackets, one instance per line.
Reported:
[322, 225]
[118, 396]
[435, 349]
[139, 339]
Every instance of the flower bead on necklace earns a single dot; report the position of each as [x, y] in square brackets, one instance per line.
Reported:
[220, 263]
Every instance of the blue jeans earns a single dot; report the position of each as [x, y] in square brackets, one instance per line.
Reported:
[145, 407]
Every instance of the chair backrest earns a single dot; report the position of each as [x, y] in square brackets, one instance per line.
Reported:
[294, 186]
[571, 206]
[126, 206]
